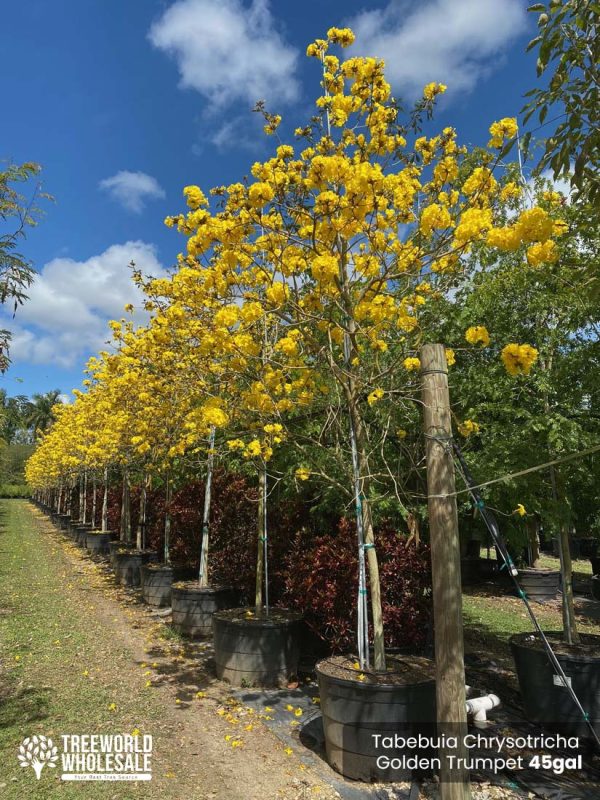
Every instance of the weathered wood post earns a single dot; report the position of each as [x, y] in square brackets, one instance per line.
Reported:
[445, 567]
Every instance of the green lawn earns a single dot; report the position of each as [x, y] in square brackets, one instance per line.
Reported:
[492, 615]
[59, 667]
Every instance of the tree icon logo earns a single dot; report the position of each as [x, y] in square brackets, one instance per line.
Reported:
[37, 752]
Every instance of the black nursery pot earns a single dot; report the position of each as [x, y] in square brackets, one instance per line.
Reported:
[255, 649]
[595, 562]
[117, 544]
[81, 534]
[97, 542]
[353, 712]
[157, 582]
[194, 605]
[588, 547]
[470, 570]
[545, 699]
[596, 587]
[62, 520]
[540, 585]
[128, 563]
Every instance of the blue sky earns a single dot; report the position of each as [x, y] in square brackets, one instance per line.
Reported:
[124, 103]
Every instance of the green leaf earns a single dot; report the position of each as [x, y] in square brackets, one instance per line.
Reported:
[533, 43]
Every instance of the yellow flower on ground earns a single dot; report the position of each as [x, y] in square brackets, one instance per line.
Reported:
[288, 751]
[135, 732]
[112, 707]
[450, 357]
[477, 334]
[297, 712]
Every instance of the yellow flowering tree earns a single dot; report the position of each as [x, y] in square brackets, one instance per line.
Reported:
[341, 246]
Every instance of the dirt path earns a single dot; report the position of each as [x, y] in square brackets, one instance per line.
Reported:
[79, 656]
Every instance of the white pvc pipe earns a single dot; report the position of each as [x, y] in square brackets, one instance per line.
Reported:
[479, 706]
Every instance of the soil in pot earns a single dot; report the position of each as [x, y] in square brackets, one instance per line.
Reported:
[157, 582]
[97, 542]
[194, 605]
[255, 649]
[540, 585]
[128, 563]
[357, 704]
[545, 699]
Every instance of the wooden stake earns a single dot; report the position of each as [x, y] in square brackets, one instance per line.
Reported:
[445, 567]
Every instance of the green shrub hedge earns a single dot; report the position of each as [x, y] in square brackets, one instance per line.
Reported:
[11, 490]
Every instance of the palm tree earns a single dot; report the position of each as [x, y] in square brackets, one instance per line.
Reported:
[39, 415]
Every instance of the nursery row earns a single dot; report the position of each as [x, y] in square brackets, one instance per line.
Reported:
[270, 646]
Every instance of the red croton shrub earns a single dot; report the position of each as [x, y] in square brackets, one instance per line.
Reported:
[321, 580]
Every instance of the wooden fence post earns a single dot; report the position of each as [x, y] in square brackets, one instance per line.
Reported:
[445, 567]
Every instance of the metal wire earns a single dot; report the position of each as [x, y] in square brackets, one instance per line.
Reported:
[488, 517]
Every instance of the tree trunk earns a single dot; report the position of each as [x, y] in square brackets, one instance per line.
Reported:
[414, 531]
[369, 537]
[260, 555]
[125, 509]
[566, 569]
[167, 551]
[534, 543]
[203, 576]
[94, 499]
[85, 483]
[141, 526]
[104, 524]
[81, 498]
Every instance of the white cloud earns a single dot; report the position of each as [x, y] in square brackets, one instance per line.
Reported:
[71, 301]
[562, 185]
[240, 132]
[451, 41]
[228, 51]
[132, 189]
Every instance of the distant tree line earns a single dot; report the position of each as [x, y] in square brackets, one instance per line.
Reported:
[21, 419]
